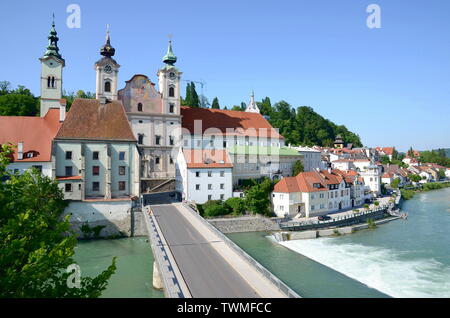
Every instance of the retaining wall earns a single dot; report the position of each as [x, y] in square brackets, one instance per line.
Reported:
[244, 224]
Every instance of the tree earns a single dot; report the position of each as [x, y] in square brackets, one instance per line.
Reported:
[71, 96]
[188, 98]
[215, 103]
[265, 106]
[204, 102]
[236, 108]
[237, 205]
[385, 160]
[297, 168]
[36, 244]
[415, 177]
[17, 102]
[257, 198]
[395, 183]
[195, 101]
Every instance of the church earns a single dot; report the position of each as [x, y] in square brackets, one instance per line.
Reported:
[105, 152]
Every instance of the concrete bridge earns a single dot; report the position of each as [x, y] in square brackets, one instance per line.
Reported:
[194, 259]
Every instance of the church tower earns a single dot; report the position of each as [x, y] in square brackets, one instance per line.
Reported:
[169, 83]
[52, 65]
[107, 72]
[252, 107]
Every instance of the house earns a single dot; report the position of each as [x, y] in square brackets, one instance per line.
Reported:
[386, 151]
[311, 193]
[311, 158]
[204, 175]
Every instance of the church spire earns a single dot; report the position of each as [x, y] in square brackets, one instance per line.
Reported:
[252, 107]
[169, 58]
[52, 48]
[107, 50]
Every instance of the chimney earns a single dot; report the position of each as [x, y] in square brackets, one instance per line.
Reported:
[62, 110]
[20, 151]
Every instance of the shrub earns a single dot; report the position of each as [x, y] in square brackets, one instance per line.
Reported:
[366, 206]
[376, 203]
[237, 205]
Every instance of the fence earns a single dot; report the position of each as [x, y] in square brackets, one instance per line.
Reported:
[271, 277]
[346, 220]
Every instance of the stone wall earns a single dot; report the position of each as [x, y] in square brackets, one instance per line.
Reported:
[244, 224]
[116, 217]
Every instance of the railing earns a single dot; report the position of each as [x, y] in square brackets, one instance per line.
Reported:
[286, 290]
[166, 264]
[348, 219]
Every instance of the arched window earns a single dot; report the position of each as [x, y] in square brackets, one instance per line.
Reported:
[53, 82]
[107, 86]
[171, 92]
[140, 107]
[49, 79]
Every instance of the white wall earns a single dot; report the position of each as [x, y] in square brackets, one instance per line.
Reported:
[22, 166]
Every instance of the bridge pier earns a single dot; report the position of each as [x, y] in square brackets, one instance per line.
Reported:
[157, 279]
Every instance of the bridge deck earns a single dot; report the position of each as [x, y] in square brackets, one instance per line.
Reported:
[205, 271]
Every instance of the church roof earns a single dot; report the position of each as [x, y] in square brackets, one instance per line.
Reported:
[88, 119]
[227, 122]
[36, 134]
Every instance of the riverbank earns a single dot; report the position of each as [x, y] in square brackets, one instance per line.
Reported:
[408, 194]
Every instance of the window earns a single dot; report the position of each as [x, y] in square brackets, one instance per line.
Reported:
[68, 171]
[157, 160]
[139, 107]
[157, 139]
[108, 87]
[79, 186]
[171, 92]
[122, 170]
[222, 186]
[322, 206]
[53, 82]
[95, 170]
[171, 160]
[140, 122]
[171, 108]
[122, 155]
[49, 79]
[209, 173]
[209, 197]
[222, 196]
[321, 195]
[224, 144]
[68, 187]
[222, 173]
[96, 186]
[68, 155]
[140, 139]
[313, 196]
[197, 174]
[95, 155]
[121, 185]
[210, 186]
[171, 140]
[197, 187]
[313, 207]
[281, 207]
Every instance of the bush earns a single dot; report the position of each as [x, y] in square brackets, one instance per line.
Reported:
[237, 205]
[376, 203]
[215, 208]
[366, 206]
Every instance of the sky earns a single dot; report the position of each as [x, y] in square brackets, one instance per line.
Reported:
[390, 85]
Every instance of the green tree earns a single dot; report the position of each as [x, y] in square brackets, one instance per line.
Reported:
[265, 106]
[188, 98]
[415, 177]
[215, 103]
[71, 96]
[35, 241]
[297, 168]
[237, 205]
[195, 101]
[395, 183]
[257, 198]
[17, 102]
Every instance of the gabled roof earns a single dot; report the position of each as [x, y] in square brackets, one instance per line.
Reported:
[305, 181]
[227, 122]
[88, 119]
[36, 133]
[207, 158]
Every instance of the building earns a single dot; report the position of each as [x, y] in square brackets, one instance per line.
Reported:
[311, 158]
[339, 142]
[311, 193]
[156, 122]
[204, 175]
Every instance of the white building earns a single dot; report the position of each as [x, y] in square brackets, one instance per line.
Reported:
[204, 175]
[311, 193]
[311, 158]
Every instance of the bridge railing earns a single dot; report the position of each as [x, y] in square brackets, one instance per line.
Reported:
[172, 288]
[286, 290]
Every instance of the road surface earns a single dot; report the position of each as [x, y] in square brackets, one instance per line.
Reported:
[204, 270]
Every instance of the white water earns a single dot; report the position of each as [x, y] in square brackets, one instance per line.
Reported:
[383, 269]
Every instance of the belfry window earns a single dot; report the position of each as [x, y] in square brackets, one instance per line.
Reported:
[49, 79]
[171, 92]
[140, 107]
[107, 86]
[53, 82]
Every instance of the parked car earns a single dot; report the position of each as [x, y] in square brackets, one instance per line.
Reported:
[324, 217]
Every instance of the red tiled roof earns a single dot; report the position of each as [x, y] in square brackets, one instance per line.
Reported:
[197, 158]
[36, 133]
[69, 178]
[88, 119]
[304, 182]
[227, 122]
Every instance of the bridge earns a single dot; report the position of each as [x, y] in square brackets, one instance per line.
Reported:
[194, 259]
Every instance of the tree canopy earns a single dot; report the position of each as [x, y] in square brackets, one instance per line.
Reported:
[70, 97]
[215, 103]
[17, 102]
[36, 244]
[297, 168]
[191, 99]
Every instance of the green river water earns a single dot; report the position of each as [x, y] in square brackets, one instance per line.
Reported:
[400, 259]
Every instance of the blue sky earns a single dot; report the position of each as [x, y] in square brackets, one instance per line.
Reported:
[390, 85]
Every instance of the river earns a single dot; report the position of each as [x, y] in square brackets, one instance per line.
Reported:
[403, 258]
